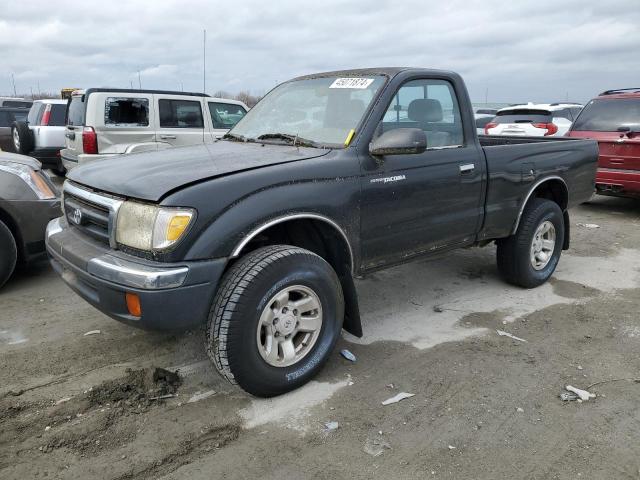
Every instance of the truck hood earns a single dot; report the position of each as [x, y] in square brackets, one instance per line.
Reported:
[152, 175]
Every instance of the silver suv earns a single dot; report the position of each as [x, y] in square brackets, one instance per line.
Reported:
[42, 135]
[105, 122]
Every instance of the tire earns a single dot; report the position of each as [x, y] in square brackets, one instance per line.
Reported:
[22, 137]
[235, 330]
[514, 254]
[9, 255]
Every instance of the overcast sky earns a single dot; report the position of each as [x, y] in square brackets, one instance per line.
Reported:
[519, 50]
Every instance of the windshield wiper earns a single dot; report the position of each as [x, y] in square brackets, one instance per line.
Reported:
[237, 138]
[295, 140]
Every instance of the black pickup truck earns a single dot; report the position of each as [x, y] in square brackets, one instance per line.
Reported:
[331, 176]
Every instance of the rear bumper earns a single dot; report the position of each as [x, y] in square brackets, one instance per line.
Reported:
[49, 157]
[621, 183]
[71, 160]
[172, 296]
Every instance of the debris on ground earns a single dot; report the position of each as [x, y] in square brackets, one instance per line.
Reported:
[196, 397]
[589, 225]
[375, 447]
[568, 397]
[451, 447]
[348, 355]
[520, 410]
[502, 333]
[136, 386]
[92, 332]
[438, 309]
[583, 394]
[391, 386]
[397, 398]
[329, 426]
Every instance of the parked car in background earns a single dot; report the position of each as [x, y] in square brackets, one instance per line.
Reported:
[613, 119]
[481, 120]
[534, 120]
[28, 200]
[330, 177]
[9, 115]
[15, 102]
[42, 135]
[104, 123]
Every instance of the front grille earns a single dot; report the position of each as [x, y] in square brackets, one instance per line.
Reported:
[89, 218]
[90, 212]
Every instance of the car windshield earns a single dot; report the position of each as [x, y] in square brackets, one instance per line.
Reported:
[607, 115]
[316, 112]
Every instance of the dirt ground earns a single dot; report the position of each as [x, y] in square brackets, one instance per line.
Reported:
[485, 406]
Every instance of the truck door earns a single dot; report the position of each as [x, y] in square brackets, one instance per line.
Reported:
[180, 120]
[416, 203]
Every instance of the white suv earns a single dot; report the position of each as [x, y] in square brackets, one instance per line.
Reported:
[534, 120]
[106, 122]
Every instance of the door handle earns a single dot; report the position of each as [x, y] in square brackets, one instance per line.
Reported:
[467, 168]
[168, 137]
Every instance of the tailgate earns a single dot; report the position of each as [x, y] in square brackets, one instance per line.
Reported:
[622, 153]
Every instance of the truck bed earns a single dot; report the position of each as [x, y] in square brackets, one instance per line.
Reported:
[495, 140]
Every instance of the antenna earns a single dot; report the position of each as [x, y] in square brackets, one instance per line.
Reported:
[204, 61]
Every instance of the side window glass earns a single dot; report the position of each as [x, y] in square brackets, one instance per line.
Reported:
[430, 105]
[35, 113]
[225, 115]
[5, 119]
[180, 114]
[126, 112]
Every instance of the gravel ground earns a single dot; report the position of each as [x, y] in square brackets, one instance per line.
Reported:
[485, 406]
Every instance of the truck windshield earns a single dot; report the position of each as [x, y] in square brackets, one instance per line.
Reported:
[318, 111]
[609, 115]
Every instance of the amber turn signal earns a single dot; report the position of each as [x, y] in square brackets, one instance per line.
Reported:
[133, 304]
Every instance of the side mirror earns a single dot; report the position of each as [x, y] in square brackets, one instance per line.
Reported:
[399, 141]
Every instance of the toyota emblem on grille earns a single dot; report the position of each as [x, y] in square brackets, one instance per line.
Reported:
[76, 216]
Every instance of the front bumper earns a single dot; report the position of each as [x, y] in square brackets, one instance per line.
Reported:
[616, 182]
[31, 218]
[172, 296]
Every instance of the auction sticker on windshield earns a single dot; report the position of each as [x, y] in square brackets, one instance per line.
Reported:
[352, 82]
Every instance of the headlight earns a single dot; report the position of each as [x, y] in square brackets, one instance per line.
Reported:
[149, 227]
[31, 177]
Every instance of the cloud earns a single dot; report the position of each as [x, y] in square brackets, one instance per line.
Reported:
[540, 51]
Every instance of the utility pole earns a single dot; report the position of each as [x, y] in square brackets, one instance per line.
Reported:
[486, 95]
[31, 88]
[204, 61]
[139, 81]
[39, 91]
[131, 82]
[13, 81]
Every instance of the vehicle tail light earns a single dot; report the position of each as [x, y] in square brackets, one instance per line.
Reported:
[89, 140]
[551, 128]
[46, 115]
[489, 126]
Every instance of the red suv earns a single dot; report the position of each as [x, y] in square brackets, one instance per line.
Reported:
[613, 119]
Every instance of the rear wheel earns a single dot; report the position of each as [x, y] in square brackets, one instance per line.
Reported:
[275, 319]
[9, 254]
[22, 137]
[530, 257]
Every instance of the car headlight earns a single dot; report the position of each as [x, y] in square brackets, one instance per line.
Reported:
[31, 177]
[150, 227]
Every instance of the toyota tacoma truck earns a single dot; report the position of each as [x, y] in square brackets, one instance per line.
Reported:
[258, 236]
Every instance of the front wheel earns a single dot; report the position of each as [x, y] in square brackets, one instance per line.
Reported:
[275, 319]
[530, 257]
[8, 253]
